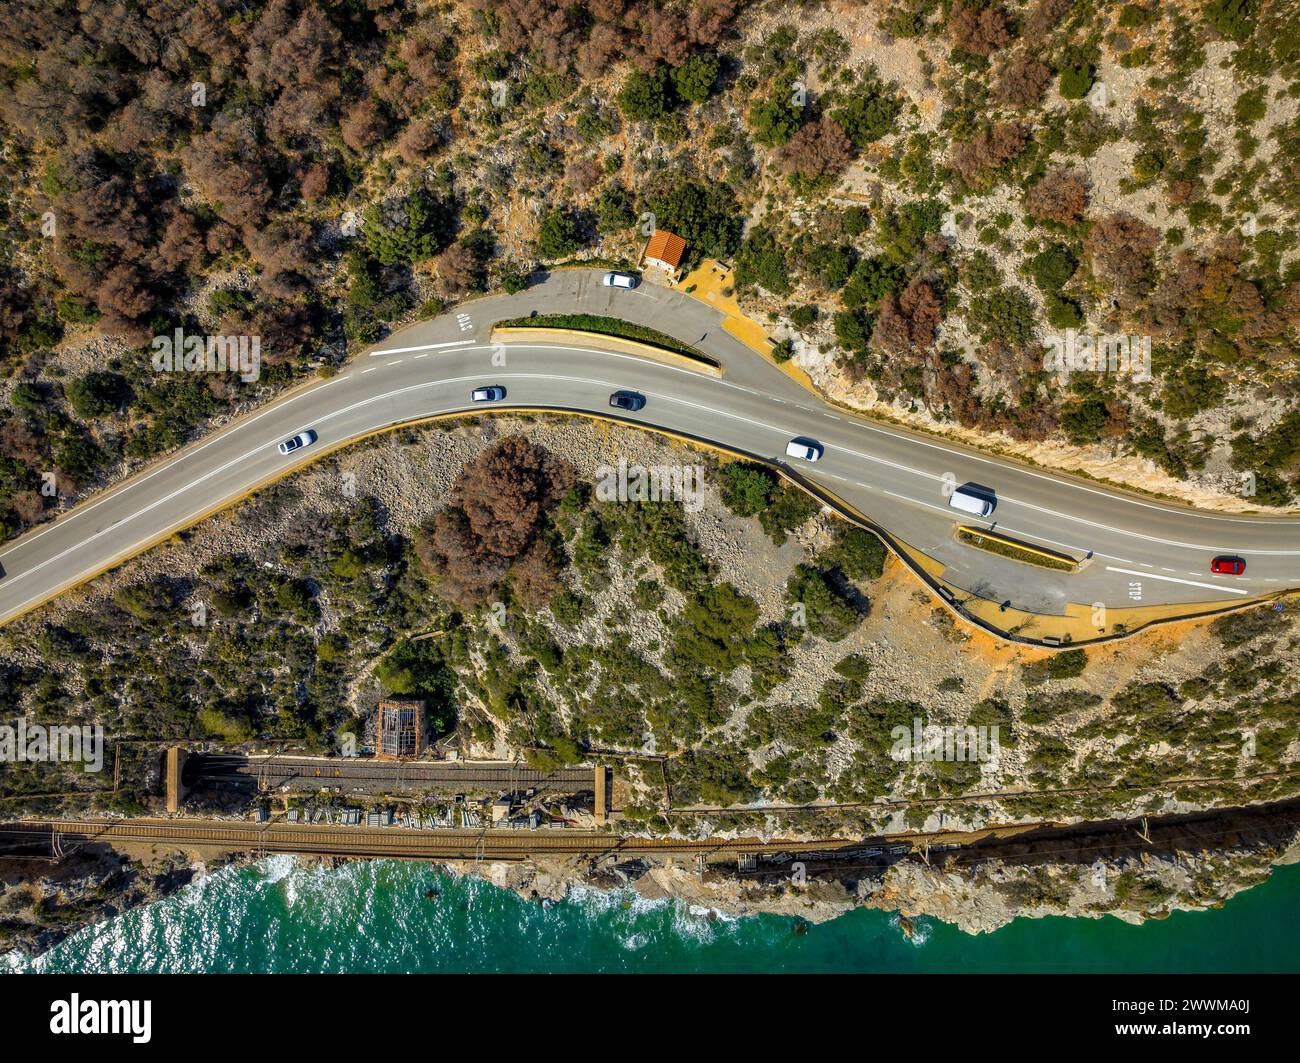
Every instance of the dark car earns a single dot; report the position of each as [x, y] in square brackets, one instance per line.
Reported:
[1228, 566]
[627, 400]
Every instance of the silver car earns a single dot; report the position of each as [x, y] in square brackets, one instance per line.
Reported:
[495, 393]
[302, 439]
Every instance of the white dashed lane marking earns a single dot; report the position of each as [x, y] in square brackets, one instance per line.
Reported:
[1175, 579]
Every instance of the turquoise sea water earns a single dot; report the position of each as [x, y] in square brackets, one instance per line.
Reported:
[280, 915]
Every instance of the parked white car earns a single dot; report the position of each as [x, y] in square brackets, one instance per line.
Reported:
[804, 449]
[614, 279]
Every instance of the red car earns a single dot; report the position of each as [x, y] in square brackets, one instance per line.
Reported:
[1228, 566]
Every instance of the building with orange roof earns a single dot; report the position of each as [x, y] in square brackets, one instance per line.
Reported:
[665, 251]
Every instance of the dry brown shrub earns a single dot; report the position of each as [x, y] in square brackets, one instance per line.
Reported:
[818, 149]
[976, 160]
[1120, 247]
[979, 31]
[499, 504]
[1022, 82]
[1061, 196]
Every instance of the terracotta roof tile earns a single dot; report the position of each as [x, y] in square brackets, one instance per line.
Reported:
[666, 247]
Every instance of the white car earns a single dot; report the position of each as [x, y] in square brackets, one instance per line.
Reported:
[495, 393]
[805, 449]
[302, 439]
[614, 279]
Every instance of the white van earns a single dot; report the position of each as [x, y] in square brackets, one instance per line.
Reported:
[970, 503]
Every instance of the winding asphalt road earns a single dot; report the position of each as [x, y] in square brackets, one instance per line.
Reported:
[1137, 551]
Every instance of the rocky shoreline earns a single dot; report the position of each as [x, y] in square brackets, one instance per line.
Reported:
[41, 904]
[975, 900]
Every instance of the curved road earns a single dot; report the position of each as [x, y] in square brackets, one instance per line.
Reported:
[1139, 552]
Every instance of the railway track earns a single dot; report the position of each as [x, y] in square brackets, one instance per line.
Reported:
[391, 842]
[305, 771]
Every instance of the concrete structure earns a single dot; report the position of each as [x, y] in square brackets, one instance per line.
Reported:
[173, 765]
[600, 802]
[664, 251]
[401, 729]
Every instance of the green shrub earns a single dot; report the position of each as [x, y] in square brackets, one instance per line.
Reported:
[421, 228]
[857, 220]
[1084, 421]
[706, 216]
[1068, 664]
[787, 509]
[1251, 106]
[712, 629]
[854, 666]
[97, 394]
[1236, 629]
[872, 279]
[827, 614]
[615, 209]
[747, 487]
[869, 112]
[1062, 313]
[761, 261]
[647, 97]
[558, 236]
[695, 78]
[568, 608]
[775, 119]
[981, 273]
[902, 232]
[853, 330]
[1052, 268]
[1004, 315]
[1235, 19]
[857, 553]
[803, 317]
